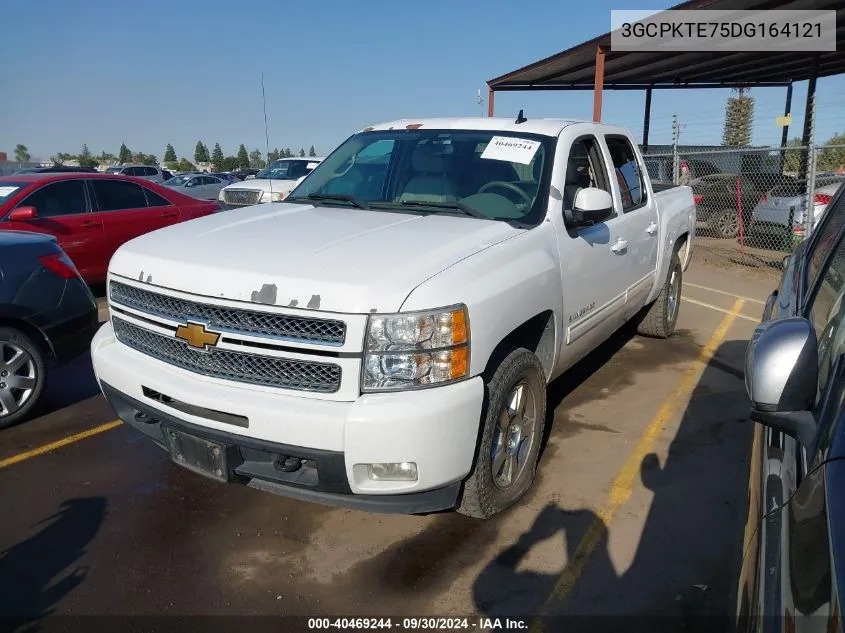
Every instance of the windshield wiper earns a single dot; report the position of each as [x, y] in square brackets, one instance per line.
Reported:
[457, 206]
[342, 197]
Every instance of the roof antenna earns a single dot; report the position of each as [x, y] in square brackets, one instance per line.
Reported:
[520, 118]
[266, 135]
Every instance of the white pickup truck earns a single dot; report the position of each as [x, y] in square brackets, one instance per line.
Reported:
[383, 339]
[271, 184]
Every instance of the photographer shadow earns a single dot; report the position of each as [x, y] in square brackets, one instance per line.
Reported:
[683, 572]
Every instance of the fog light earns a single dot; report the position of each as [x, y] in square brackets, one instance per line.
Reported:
[402, 471]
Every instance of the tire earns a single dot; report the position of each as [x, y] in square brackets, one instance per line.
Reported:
[661, 316]
[485, 494]
[23, 373]
[725, 225]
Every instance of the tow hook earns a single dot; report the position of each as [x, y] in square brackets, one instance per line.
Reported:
[287, 464]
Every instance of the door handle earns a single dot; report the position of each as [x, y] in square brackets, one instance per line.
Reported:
[619, 246]
[89, 224]
[168, 214]
[652, 228]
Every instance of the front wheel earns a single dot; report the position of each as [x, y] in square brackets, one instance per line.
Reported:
[661, 316]
[513, 424]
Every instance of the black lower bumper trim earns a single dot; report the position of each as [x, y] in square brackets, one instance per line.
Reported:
[253, 462]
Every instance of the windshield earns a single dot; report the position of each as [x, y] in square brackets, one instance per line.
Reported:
[114, 170]
[489, 174]
[285, 170]
[9, 188]
[177, 181]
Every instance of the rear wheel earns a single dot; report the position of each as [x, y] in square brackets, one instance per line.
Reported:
[22, 376]
[513, 424]
[661, 316]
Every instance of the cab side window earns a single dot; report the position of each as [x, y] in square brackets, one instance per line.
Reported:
[584, 168]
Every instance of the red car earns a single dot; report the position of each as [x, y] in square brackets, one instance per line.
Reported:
[92, 214]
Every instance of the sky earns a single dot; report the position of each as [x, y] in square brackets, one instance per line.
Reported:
[155, 72]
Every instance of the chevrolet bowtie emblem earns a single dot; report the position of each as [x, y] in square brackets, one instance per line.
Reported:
[196, 336]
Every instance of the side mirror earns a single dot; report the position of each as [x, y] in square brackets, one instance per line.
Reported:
[23, 213]
[591, 206]
[782, 375]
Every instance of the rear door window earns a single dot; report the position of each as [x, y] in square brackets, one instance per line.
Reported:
[118, 195]
[627, 171]
[66, 197]
[155, 200]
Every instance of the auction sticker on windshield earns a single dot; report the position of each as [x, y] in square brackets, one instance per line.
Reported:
[511, 149]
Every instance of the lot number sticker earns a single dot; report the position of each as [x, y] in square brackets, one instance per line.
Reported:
[514, 150]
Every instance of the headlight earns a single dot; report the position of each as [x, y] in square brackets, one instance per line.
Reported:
[416, 349]
[275, 196]
[221, 197]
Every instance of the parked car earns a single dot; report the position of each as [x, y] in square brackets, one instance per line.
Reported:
[271, 184]
[55, 169]
[243, 174]
[92, 214]
[661, 168]
[229, 178]
[780, 211]
[383, 339]
[202, 187]
[791, 576]
[718, 200]
[47, 317]
[153, 173]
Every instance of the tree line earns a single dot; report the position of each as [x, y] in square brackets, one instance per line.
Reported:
[242, 160]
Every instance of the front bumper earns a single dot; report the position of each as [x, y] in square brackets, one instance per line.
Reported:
[435, 428]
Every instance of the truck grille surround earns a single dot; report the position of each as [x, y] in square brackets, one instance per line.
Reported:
[251, 364]
[241, 197]
[306, 330]
[254, 369]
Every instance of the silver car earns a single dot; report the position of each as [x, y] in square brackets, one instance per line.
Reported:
[200, 186]
[781, 210]
[153, 173]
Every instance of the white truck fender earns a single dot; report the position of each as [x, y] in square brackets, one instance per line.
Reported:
[503, 287]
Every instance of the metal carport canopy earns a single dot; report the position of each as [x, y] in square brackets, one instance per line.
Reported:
[592, 65]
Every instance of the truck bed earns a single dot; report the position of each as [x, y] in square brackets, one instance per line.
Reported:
[662, 186]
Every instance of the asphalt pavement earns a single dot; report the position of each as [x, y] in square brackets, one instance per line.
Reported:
[637, 510]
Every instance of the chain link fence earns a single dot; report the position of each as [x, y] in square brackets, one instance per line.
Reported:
[754, 204]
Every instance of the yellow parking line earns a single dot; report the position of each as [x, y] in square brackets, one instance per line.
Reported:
[718, 309]
[70, 439]
[623, 484]
[722, 292]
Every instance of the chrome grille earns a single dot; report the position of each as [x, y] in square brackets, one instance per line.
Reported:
[245, 321]
[241, 197]
[229, 365]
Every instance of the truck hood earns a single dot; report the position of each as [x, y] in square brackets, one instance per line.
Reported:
[323, 258]
[262, 184]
